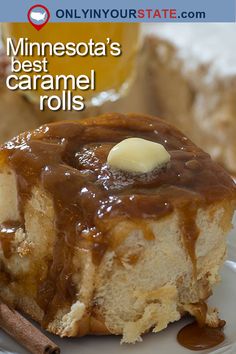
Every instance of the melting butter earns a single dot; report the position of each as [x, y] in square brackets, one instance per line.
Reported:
[137, 155]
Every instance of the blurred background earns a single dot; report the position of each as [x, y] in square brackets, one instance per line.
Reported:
[184, 73]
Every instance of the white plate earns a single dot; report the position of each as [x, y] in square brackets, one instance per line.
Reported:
[164, 342]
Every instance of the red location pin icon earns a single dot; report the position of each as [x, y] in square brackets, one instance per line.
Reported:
[38, 15]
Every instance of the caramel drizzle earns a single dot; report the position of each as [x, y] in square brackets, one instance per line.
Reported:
[190, 233]
[7, 234]
[198, 338]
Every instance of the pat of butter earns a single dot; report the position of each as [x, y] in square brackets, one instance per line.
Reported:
[137, 155]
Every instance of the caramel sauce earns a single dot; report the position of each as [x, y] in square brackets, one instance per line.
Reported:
[195, 337]
[133, 258]
[200, 313]
[7, 234]
[68, 159]
[190, 232]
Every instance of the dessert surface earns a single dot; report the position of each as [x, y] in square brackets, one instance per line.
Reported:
[90, 216]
